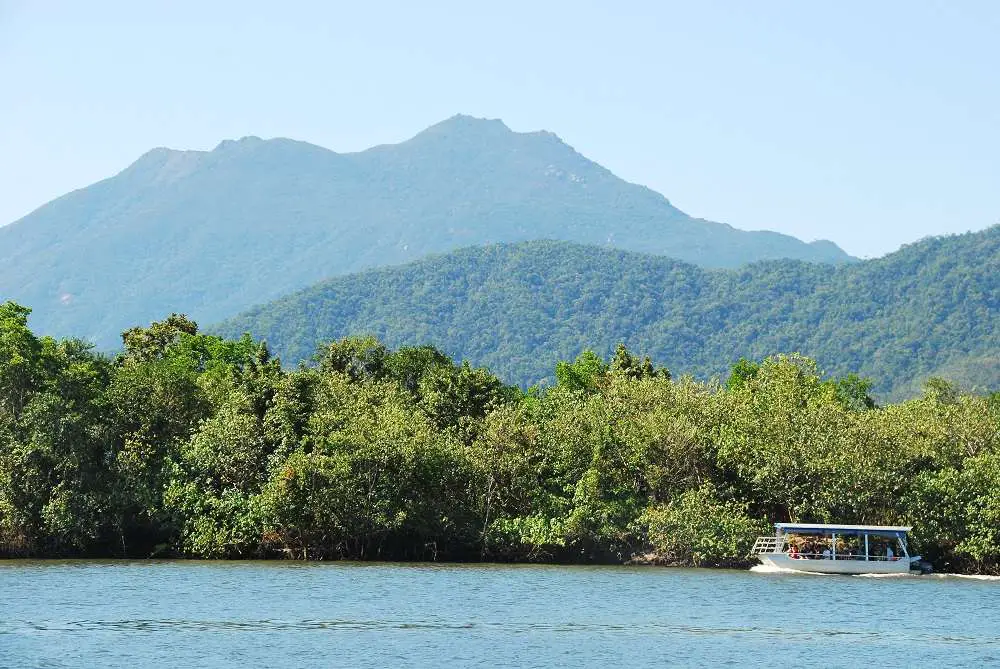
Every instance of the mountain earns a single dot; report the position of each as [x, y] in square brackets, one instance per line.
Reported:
[212, 233]
[931, 308]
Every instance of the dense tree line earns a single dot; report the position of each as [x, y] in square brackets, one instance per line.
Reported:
[187, 444]
[927, 310]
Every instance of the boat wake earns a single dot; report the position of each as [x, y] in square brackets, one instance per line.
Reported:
[974, 577]
[770, 569]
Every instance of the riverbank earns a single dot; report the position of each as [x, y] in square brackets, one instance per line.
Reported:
[644, 561]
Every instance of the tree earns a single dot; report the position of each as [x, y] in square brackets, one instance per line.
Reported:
[20, 353]
[940, 390]
[149, 343]
[585, 374]
[409, 365]
[742, 371]
[54, 483]
[699, 529]
[627, 365]
[359, 358]
[854, 392]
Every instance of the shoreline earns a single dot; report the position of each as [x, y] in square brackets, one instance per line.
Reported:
[645, 563]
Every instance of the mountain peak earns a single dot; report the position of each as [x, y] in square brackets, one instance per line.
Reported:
[466, 128]
[162, 163]
[243, 142]
[463, 125]
[468, 122]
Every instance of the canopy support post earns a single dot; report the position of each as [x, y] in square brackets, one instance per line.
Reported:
[866, 547]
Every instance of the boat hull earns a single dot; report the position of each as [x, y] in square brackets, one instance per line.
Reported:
[783, 561]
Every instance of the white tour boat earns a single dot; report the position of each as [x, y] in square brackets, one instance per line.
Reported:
[839, 549]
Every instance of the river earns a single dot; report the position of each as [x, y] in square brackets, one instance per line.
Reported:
[281, 614]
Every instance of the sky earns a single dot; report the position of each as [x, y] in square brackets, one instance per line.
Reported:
[870, 124]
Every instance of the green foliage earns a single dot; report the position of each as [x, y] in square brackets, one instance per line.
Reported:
[193, 445]
[742, 372]
[924, 311]
[20, 353]
[699, 529]
[585, 374]
[854, 392]
[940, 390]
[54, 484]
[360, 358]
[624, 364]
[373, 479]
[152, 342]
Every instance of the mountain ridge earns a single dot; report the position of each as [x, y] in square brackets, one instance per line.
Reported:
[518, 308]
[213, 232]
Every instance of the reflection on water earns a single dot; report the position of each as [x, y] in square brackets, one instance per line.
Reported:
[154, 614]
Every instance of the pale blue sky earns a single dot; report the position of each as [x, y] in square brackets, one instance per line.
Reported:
[869, 123]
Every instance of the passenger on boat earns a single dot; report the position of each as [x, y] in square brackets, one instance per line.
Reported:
[889, 553]
[826, 554]
[793, 552]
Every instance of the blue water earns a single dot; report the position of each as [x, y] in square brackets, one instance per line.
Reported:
[278, 614]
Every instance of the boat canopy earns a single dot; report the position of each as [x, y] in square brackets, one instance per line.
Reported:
[816, 528]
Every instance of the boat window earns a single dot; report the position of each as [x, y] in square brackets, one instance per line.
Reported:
[849, 546]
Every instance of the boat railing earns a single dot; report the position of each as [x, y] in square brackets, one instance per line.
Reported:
[843, 556]
[768, 544]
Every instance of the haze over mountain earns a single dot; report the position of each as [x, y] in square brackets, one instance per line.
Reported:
[212, 233]
[929, 309]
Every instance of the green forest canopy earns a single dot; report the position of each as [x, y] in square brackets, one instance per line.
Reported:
[193, 445]
[930, 309]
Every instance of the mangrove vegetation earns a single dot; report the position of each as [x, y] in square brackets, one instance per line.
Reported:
[189, 444]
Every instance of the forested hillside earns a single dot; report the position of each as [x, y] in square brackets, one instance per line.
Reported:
[211, 233]
[190, 445]
[929, 309]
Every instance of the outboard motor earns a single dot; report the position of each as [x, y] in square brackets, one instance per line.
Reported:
[922, 566]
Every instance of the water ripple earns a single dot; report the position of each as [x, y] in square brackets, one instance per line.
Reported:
[665, 628]
[179, 614]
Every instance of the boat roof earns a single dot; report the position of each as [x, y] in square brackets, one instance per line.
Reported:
[819, 527]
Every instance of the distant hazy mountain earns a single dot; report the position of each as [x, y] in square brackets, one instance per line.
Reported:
[211, 233]
[929, 309]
